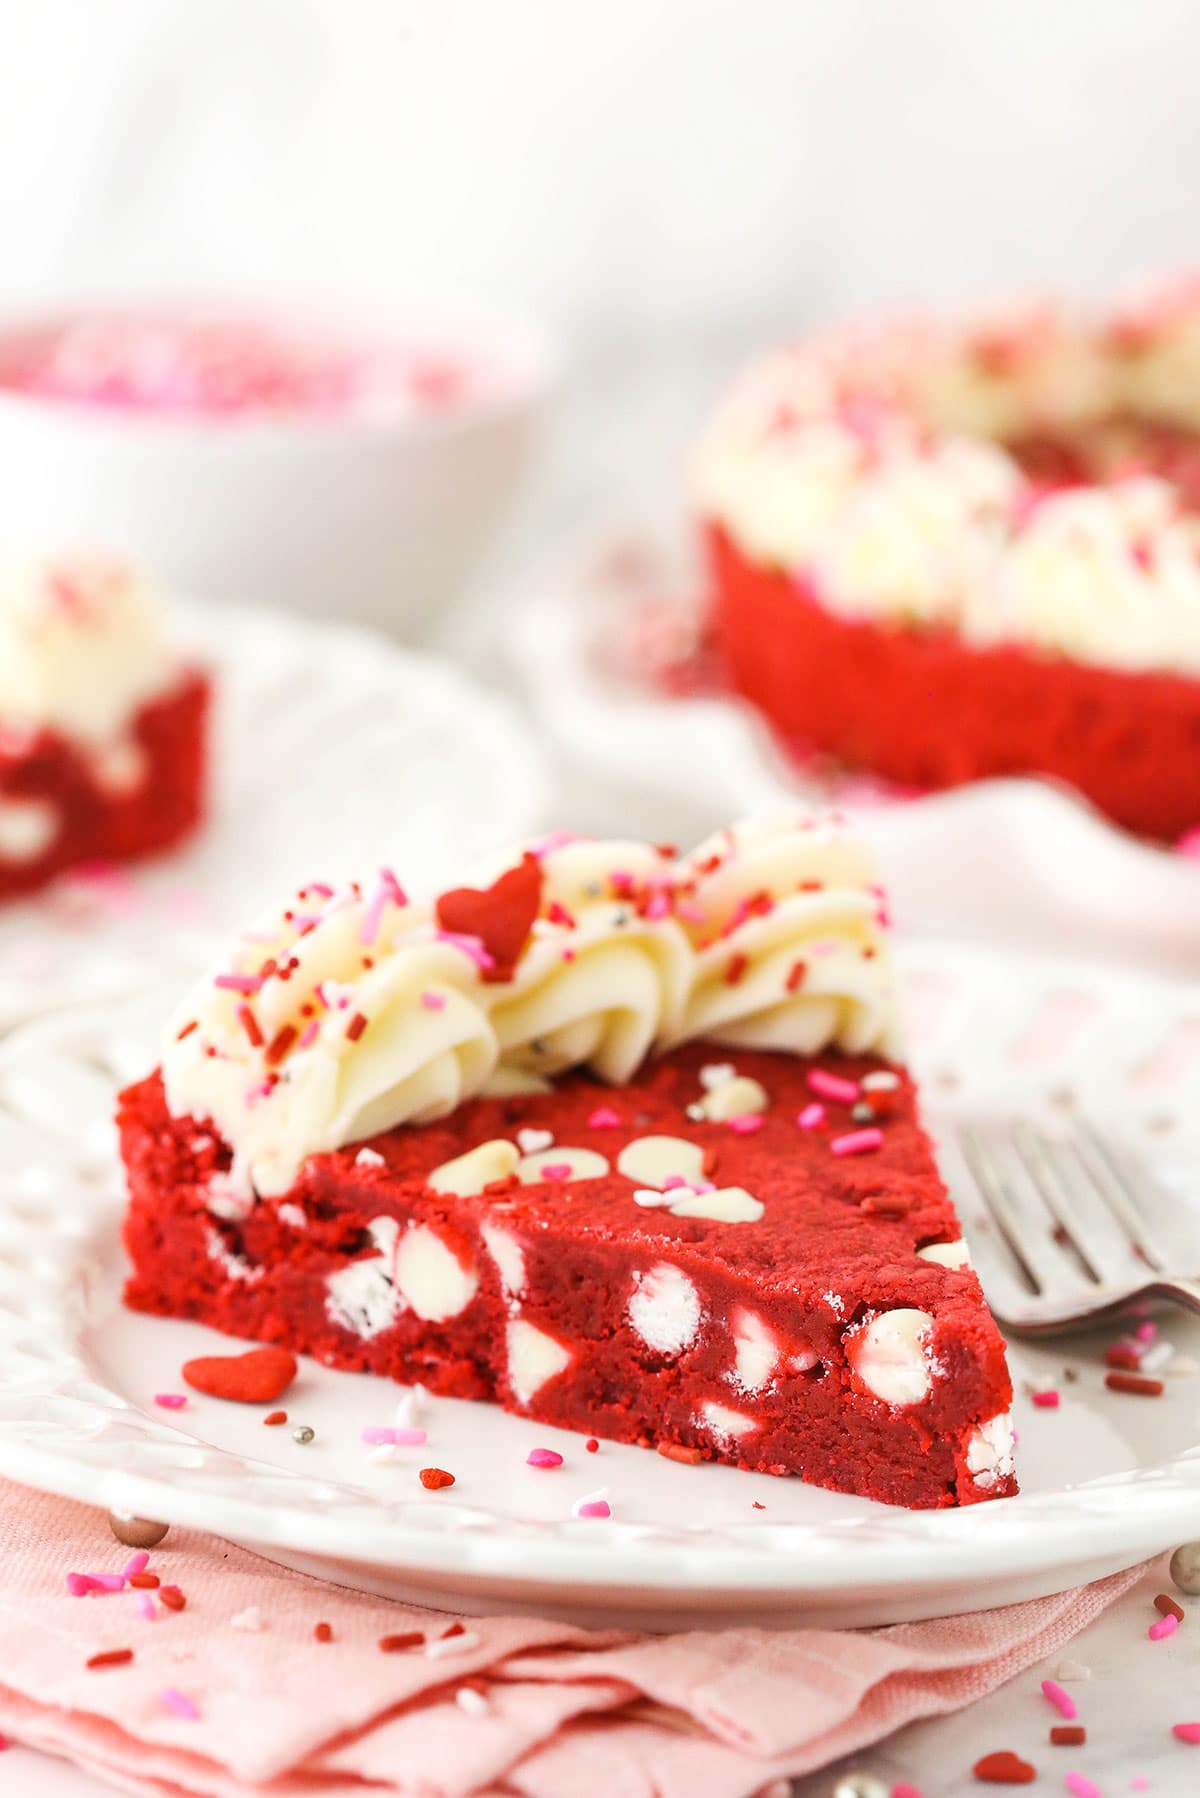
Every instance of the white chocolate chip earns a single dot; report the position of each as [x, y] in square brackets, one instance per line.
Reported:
[530, 1141]
[881, 1081]
[368, 1158]
[583, 1164]
[664, 1309]
[652, 1160]
[890, 1355]
[362, 1296]
[479, 1167]
[717, 1073]
[728, 1205]
[946, 1254]
[533, 1358]
[735, 1099]
[509, 1257]
[27, 827]
[990, 1451]
[294, 1216]
[755, 1351]
[725, 1424]
[431, 1276]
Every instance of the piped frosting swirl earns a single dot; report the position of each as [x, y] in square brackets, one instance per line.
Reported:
[359, 1009]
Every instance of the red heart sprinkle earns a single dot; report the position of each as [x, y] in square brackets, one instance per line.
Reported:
[435, 1478]
[254, 1378]
[1004, 1769]
[502, 917]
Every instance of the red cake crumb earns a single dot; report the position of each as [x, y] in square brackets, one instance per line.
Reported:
[824, 1258]
[926, 710]
[95, 823]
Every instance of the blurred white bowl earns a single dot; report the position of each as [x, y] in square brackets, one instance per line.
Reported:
[380, 518]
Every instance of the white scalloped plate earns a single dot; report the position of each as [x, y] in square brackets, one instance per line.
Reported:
[334, 750]
[1107, 1479]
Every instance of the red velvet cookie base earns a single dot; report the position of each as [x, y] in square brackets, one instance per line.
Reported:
[96, 824]
[823, 1255]
[924, 709]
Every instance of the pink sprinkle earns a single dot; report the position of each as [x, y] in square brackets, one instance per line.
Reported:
[832, 1086]
[145, 1605]
[1139, 1783]
[400, 1435]
[321, 888]
[1081, 1786]
[543, 1457]
[1062, 1701]
[179, 1702]
[79, 1584]
[658, 905]
[309, 1034]
[1047, 1400]
[594, 1507]
[106, 1582]
[811, 1116]
[388, 891]
[556, 1170]
[604, 1118]
[1146, 1332]
[673, 1181]
[470, 946]
[856, 1142]
[746, 1124]
[689, 912]
[137, 1563]
[1186, 1732]
[434, 1001]
[240, 983]
[171, 1401]
[1165, 1626]
[904, 1790]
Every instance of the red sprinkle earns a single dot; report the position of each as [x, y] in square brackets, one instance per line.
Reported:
[254, 1378]
[409, 1638]
[1123, 1355]
[356, 1026]
[1133, 1382]
[249, 1024]
[1068, 1735]
[676, 1451]
[186, 1031]
[1004, 1769]
[435, 1478]
[735, 967]
[1166, 1607]
[279, 1045]
[796, 974]
[172, 1597]
[111, 1657]
[275, 1417]
[323, 1632]
[591, 1445]
[145, 1582]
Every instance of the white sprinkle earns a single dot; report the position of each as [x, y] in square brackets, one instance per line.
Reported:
[646, 1195]
[1157, 1358]
[473, 1702]
[717, 1073]
[410, 1407]
[250, 1618]
[384, 1454]
[1072, 1671]
[368, 1158]
[448, 1645]
[1182, 1364]
[532, 1142]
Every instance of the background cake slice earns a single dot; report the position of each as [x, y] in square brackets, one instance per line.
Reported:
[102, 725]
[616, 1140]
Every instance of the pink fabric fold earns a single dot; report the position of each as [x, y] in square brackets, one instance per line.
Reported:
[552, 1712]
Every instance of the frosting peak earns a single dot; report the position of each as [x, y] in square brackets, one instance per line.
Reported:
[359, 1009]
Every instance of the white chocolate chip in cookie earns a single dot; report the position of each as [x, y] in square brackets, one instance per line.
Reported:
[653, 1160]
[755, 1351]
[725, 1424]
[717, 1073]
[890, 1355]
[430, 1275]
[533, 1358]
[727, 1205]
[509, 1258]
[470, 1173]
[734, 1099]
[664, 1309]
[562, 1165]
[946, 1254]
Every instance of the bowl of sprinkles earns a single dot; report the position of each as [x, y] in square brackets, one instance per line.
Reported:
[335, 459]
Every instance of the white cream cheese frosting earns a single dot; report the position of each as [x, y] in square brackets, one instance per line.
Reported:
[356, 1010]
[82, 647]
[872, 466]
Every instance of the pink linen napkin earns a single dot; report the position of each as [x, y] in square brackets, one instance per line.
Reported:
[548, 1711]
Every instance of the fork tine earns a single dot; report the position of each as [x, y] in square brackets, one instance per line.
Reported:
[1021, 1214]
[1076, 1205]
[1122, 1195]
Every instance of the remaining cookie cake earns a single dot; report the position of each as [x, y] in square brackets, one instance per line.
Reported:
[947, 553]
[615, 1140]
[102, 729]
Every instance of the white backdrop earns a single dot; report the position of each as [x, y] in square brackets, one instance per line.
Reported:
[666, 180]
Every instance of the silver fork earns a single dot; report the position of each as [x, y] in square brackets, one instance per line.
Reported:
[1064, 1227]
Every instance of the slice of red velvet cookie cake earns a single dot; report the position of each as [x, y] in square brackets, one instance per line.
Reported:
[616, 1141]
